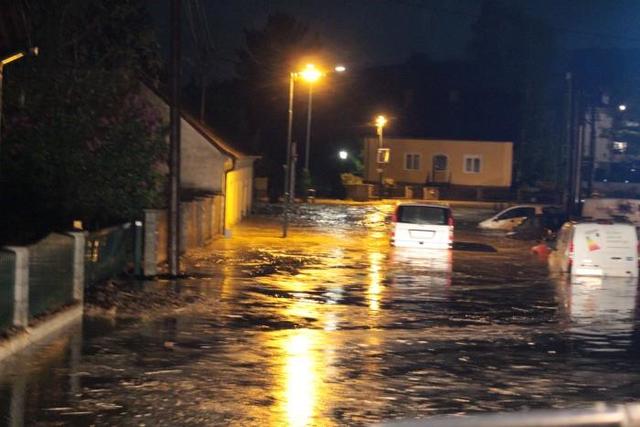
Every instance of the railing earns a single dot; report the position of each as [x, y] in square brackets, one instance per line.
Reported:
[107, 253]
[7, 273]
[50, 274]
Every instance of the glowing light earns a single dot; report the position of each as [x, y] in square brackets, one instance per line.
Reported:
[301, 381]
[381, 121]
[375, 279]
[343, 155]
[622, 107]
[310, 74]
[340, 68]
[12, 58]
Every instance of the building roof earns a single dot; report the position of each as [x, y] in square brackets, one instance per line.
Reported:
[399, 138]
[209, 134]
[212, 137]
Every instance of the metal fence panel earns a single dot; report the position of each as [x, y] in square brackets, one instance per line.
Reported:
[7, 277]
[50, 274]
[107, 253]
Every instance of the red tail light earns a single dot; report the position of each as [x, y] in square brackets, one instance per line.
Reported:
[451, 222]
[394, 216]
[570, 261]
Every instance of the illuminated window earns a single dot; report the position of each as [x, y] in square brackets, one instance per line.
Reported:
[472, 164]
[412, 161]
[619, 147]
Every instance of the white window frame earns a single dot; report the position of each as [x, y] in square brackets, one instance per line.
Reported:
[472, 157]
[418, 156]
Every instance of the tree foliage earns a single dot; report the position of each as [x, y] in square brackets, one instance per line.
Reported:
[514, 56]
[78, 140]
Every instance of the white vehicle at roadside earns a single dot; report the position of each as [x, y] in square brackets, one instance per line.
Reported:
[511, 217]
[420, 225]
[595, 248]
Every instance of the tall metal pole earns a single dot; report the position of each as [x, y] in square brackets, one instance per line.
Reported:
[380, 170]
[287, 168]
[174, 144]
[307, 144]
[568, 196]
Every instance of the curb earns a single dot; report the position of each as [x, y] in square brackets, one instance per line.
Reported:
[46, 329]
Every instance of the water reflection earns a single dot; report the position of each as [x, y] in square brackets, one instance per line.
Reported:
[424, 266]
[25, 385]
[600, 310]
[300, 377]
[375, 278]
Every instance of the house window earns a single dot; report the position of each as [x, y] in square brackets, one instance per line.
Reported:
[440, 162]
[472, 164]
[619, 147]
[412, 161]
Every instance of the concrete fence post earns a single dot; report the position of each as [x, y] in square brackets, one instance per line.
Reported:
[20, 286]
[150, 264]
[79, 239]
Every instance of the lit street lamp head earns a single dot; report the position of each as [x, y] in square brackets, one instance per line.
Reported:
[310, 74]
[343, 155]
[340, 69]
[622, 107]
[381, 121]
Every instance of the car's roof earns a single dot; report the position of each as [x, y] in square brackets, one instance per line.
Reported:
[426, 205]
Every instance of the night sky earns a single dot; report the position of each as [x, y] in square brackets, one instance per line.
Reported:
[375, 32]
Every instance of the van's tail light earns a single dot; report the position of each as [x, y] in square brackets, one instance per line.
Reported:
[451, 223]
[571, 248]
[394, 216]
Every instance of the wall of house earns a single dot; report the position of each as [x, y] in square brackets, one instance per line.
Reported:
[239, 192]
[202, 165]
[495, 168]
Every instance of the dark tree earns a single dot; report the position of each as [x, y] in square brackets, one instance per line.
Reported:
[79, 142]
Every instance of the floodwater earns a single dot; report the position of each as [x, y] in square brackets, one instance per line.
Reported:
[331, 326]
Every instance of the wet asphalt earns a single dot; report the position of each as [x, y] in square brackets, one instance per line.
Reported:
[331, 326]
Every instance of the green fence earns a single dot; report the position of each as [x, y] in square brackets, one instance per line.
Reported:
[50, 274]
[7, 271]
[107, 253]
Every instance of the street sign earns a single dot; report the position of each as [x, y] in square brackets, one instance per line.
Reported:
[384, 154]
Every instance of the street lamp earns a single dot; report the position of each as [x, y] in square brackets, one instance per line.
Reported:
[343, 155]
[311, 75]
[622, 107]
[382, 157]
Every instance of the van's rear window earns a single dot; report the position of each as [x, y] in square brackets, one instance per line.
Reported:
[422, 215]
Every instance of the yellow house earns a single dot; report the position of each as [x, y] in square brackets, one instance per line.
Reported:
[440, 161]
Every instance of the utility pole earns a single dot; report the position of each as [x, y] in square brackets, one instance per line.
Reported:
[287, 168]
[174, 144]
[568, 193]
[307, 146]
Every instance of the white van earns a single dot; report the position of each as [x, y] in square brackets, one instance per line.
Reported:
[596, 249]
[420, 225]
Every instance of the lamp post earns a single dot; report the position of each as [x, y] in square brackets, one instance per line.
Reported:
[380, 122]
[310, 74]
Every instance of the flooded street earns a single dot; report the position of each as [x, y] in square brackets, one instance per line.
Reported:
[331, 326]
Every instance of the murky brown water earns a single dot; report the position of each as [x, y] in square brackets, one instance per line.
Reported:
[331, 327]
